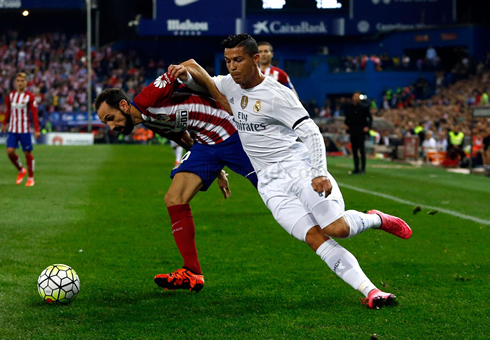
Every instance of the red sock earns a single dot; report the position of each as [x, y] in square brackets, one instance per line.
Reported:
[15, 160]
[184, 235]
[30, 165]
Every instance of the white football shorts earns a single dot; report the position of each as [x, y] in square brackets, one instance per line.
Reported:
[286, 190]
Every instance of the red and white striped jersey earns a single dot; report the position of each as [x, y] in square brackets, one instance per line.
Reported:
[279, 75]
[17, 115]
[164, 110]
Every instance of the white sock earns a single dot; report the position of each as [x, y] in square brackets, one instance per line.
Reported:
[345, 265]
[359, 222]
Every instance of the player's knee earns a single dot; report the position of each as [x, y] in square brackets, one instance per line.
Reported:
[172, 199]
[315, 237]
[339, 229]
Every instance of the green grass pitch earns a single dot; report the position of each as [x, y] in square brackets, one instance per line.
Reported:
[101, 210]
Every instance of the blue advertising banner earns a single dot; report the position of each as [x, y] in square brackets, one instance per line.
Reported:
[73, 119]
[278, 24]
[372, 16]
[193, 18]
[42, 4]
[362, 17]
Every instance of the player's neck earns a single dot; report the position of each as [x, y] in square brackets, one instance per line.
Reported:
[254, 80]
[21, 91]
[264, 67]
[135, 115]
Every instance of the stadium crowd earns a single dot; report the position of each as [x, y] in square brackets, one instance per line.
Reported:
[56, 67]
[431, 62]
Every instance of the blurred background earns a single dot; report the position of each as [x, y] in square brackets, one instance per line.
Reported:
[417, 62]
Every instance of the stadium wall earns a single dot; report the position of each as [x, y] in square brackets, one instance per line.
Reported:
[322, 83]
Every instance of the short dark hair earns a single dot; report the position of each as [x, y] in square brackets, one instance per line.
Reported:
[242, 40]
[112, 97]
[265, 43]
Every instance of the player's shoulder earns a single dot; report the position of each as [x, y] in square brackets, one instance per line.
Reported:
[280, 93]
[225, 83]
[224, 79]
[274, 87]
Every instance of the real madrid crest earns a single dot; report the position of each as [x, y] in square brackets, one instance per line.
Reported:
[257, 106]
[244, 102]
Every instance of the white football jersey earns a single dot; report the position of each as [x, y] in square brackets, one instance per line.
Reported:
[265, 116]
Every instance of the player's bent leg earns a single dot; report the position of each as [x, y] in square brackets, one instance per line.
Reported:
[346, 266]
[331, 216]
[338, 229]
[352, 223]
[393, 225]
[184, 187]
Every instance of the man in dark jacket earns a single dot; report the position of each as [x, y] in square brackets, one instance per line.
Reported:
[358, 121]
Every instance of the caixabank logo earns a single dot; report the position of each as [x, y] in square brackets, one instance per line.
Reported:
[278, 27]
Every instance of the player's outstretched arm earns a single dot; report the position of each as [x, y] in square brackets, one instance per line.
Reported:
[200, 76]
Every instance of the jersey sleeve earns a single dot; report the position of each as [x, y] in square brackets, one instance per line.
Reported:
[283, 78]
[157, 93]
[34, 111]
[288, 110]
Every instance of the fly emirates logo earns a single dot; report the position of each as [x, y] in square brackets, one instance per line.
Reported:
[243, 125]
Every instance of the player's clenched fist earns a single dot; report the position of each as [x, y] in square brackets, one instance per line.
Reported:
[322, 185]
[178, 71]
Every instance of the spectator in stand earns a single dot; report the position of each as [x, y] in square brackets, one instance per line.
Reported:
[396, 142]
[56, 72]
[455, 144]
[358, 122]
[429, 143]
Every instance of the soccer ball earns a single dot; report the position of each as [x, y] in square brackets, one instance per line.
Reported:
[58, 283]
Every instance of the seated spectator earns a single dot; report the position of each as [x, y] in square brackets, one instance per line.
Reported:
[429, 142]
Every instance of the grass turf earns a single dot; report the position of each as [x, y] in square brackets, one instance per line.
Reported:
[100, 209]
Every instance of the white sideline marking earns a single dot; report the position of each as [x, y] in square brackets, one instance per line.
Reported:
[399, 200]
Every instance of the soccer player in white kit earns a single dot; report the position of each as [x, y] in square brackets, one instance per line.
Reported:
[293, 180]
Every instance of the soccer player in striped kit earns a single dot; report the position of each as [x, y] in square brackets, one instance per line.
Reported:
[213, 145]
[19, 103]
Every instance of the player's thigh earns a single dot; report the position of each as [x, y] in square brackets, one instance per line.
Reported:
[201, 161]
[185, 185]
[287, 210]
[324, 210]
[235, 158]
[26, 142]
[12, 142]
